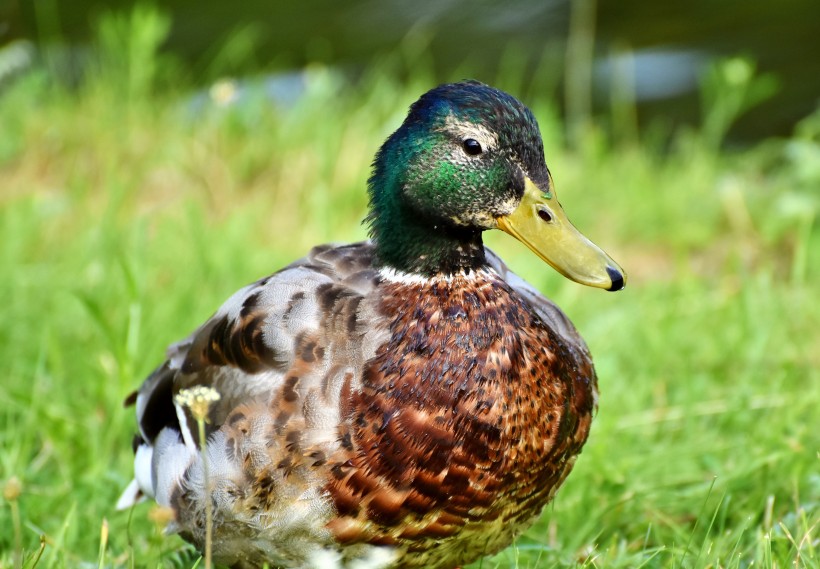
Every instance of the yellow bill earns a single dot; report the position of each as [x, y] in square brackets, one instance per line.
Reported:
[540, 223]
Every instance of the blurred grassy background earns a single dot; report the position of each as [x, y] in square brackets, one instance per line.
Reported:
[133, 202]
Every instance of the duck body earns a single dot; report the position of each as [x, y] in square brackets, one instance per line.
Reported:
[372, 414]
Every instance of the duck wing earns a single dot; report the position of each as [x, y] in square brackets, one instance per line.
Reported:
[289, 338]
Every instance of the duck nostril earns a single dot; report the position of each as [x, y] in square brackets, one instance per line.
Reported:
[545, 215]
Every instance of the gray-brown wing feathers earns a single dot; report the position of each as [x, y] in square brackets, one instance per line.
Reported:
[245, 349]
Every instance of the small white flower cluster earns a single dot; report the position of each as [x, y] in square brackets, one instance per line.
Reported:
[224, 92]
[198, 399]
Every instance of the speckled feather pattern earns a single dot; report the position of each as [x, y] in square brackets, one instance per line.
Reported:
[366, 421]
[467, 420]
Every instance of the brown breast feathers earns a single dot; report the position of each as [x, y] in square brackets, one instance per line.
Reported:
[468, 416]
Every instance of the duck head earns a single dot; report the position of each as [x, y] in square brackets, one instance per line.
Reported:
[469, 158]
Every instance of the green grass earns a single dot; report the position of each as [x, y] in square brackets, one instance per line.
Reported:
[127, 217]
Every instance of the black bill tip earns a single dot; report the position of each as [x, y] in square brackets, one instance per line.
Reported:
[617, 278]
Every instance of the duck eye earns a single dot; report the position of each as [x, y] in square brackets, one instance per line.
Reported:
[471, 146]
[544, 215]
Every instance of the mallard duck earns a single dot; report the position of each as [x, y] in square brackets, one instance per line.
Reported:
[406, 401]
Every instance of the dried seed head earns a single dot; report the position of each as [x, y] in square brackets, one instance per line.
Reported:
[198, 399]
[12, 489]
[161, 515]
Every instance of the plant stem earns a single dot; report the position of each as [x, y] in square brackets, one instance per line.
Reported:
[579, 59]
[18, 536]
[103, 543]
[209, 516]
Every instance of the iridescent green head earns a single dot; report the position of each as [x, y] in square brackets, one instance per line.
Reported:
[469, 158]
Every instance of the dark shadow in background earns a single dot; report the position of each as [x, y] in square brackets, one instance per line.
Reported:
[669, 41]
